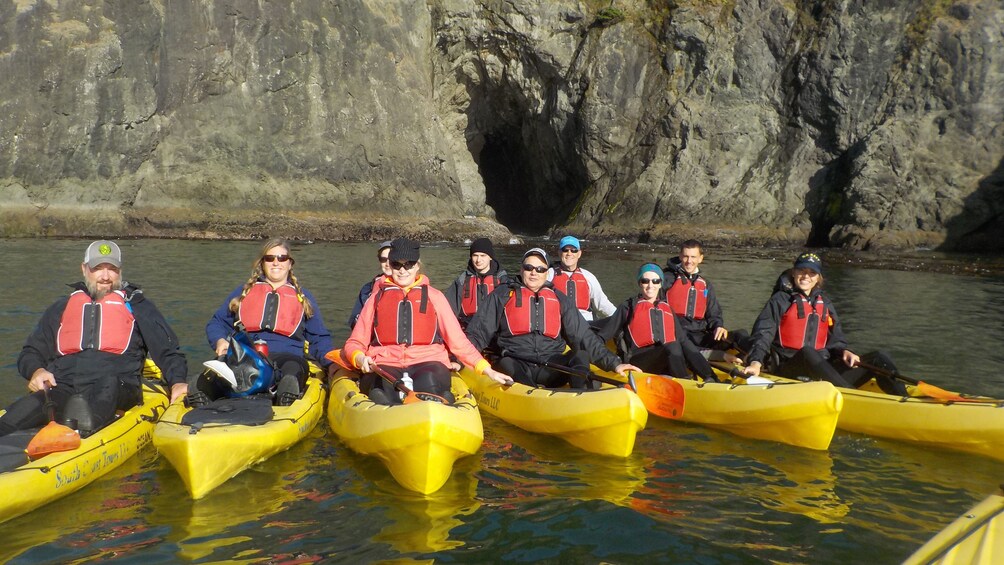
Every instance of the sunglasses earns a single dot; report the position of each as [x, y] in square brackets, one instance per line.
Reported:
[569, 250]
[527, 267]
[397, 265]
[279, 258]
[384, 259]
[650, 281]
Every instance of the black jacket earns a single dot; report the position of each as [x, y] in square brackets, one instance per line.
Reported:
[713, 319]
[765, 337]
[486, 328]
[152, 336]
[455, 292]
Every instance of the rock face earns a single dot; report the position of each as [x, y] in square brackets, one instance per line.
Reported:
[849, 123]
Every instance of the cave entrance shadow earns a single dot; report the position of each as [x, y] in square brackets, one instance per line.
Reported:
[533, 182]
[980, 225]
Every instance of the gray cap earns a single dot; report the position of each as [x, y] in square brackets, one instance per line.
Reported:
[539, 253]
[103, 251]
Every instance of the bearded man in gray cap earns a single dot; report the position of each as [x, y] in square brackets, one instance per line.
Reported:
[93, 344]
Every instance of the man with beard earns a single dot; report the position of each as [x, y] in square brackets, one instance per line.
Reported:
[93, 343]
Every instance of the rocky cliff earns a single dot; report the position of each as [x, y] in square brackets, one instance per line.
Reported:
[860, 124]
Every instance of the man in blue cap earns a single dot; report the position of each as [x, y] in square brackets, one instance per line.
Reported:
[579, 284]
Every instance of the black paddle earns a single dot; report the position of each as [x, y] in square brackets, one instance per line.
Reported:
[661, 396]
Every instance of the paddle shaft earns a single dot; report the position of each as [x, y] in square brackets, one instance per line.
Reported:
[410, 396]
[50, 406]
[567, 370]
[887, 373]
[662, 396]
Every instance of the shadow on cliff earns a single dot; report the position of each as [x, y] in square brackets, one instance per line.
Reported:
[528, 182]
[980, 224]
[826, 200]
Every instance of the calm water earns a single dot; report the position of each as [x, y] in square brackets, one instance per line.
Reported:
[687, 494]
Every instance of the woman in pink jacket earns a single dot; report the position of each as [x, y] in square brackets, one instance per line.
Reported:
[408, 327]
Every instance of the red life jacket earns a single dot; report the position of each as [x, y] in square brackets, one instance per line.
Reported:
[405, 319]
[651, 323]
[106, 324]
[805, 323]
[279, 311]
[526, 312]
[475, 288]
[688, 297]
[574, 285]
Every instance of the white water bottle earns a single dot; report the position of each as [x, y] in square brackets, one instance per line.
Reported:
[406, 381]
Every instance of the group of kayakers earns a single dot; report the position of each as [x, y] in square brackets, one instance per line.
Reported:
[535, 327]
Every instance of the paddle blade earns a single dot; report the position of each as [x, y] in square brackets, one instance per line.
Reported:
[414, 396]
[336, 356]
[928, 389]
[53, 438]
[660, 395]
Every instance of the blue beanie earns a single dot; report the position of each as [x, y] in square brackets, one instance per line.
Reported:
[649, 268]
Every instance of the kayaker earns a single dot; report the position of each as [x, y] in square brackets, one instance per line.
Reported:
[61, 353]
[482, 275]
[693, 298]
[529, 319]
[272, 307]
[654, 338]
[407, 326]
[577, 283]
[367, 289]
[798, 333]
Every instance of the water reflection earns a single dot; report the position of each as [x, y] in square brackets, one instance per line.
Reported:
[686, 494]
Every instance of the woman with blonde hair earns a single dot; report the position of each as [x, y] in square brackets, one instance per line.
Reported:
[271, 306]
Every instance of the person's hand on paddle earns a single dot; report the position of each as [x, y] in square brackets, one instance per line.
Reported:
[222, 346]
[721, 334]
[501, 378]
[623, 369]
[851, 359]
[366, 364]
[178, 391]
[41, 379]
[753, 369]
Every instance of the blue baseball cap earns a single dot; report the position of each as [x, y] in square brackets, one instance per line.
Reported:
[809, 261]
[569, 241]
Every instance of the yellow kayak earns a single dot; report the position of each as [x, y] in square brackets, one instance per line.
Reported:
[799, 414]
[975, 425]
[209, 454]
[417, 442]
[59, 474]
[603, 421]
[975, 537]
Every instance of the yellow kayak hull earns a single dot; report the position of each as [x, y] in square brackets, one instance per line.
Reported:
[799, 414]
[975, 537]
[217, 452]
[602, 421]
[973, 427]
[418, 443]
[59, 474]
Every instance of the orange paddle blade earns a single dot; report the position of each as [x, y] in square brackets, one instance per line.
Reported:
[928, 389]
[53, 438]
[661, 396]
[336, 356]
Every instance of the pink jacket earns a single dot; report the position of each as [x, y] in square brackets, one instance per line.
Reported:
[360, 343]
